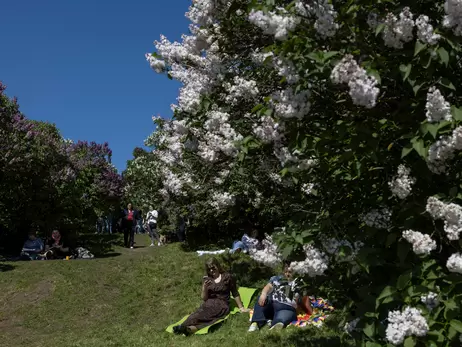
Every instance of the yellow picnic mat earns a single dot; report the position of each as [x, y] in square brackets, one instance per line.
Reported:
[246, 295]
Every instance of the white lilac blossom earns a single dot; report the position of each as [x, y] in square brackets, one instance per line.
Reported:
[257, 200]
[450, 213]
[437, 107]
[287, 69]
[284, 156]
[398, 31]
[315, 263]
[453, 17]
[240, 89]
[288, 104]
[275, 178]
[351, 326]
[221, 201]
[269, 255]
[219, 136]
[403, 324]
[306, 164]
[443, 150]
[454, 263]
[401, 185]
[425, 31]
[378, 218]
[307, 188]
[422, 244]
[156, 64]
[332, 247]
[363, 90]
[373, 20]
[323, 12]
[273, 23]
[268, 130]
[430, 300]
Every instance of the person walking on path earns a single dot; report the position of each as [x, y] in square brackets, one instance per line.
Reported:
[128, 224]
[151, 219]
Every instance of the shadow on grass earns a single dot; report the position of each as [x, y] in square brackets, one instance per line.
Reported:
[101, 245]
[247, 271]
[6, 267]
[303, 338]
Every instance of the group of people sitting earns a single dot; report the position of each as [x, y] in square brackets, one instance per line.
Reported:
[277, 306]
[35, 249]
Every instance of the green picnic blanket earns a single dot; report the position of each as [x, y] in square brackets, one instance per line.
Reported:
[246, 295]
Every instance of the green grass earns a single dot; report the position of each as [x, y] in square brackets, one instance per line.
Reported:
[125, 300]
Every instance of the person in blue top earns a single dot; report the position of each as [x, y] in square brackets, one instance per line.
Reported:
[278, 302]
[32, 247]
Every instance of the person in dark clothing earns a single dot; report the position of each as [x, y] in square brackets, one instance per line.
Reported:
[55, 247]
[128, 225]
[216, 291]
[182, 229]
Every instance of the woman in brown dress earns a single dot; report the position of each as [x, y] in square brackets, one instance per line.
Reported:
[216, 291]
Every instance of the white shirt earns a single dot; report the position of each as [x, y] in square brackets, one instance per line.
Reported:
[151, 217]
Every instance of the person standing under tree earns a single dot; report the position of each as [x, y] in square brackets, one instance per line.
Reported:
[151, 220]
[128, 225]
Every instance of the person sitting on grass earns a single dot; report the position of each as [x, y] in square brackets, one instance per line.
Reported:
[32, 247]
[278, 302]
[216, 289]
[55, 248]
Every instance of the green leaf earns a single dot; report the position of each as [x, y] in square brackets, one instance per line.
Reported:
[419, 147]
[256, 108]
[375, 74]
[403, 280]
[386, 292]
[457, 325]
[456, 113]
[328, 55]
[444, 56]
[419, 46]
[379, 29]
[451, 309]
[409, 342]
[369, 329]
[447, 83]
[405, 70]
[406, 150]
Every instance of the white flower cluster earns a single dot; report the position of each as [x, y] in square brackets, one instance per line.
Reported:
[450, 213]
[284, 155]
[430, 300]
[315, 263]
[221, 201]
[453, 17]
[443, 150]
[288, 104]
[269, 130]
[398, 31]
[373, 20]
[425, 31]
[275, 24]
[437, 107]
[269, 255]
[156, 64]
[306, 164]
[307, 188]
[351, 326]
[324, 13]
[363, 90]
[421, 243]
[376, 218]
[219, 137]
[332, 247]
[401, 185]
[406, 323]
[240, 89]
[454, 263]
[275, 178]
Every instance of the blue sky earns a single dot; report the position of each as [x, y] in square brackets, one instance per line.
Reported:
[80, 64]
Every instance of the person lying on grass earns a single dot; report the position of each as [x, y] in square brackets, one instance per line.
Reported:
[278, 302]
[216, 289]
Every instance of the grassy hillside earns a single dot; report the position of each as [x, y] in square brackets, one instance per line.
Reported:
[124, 300]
